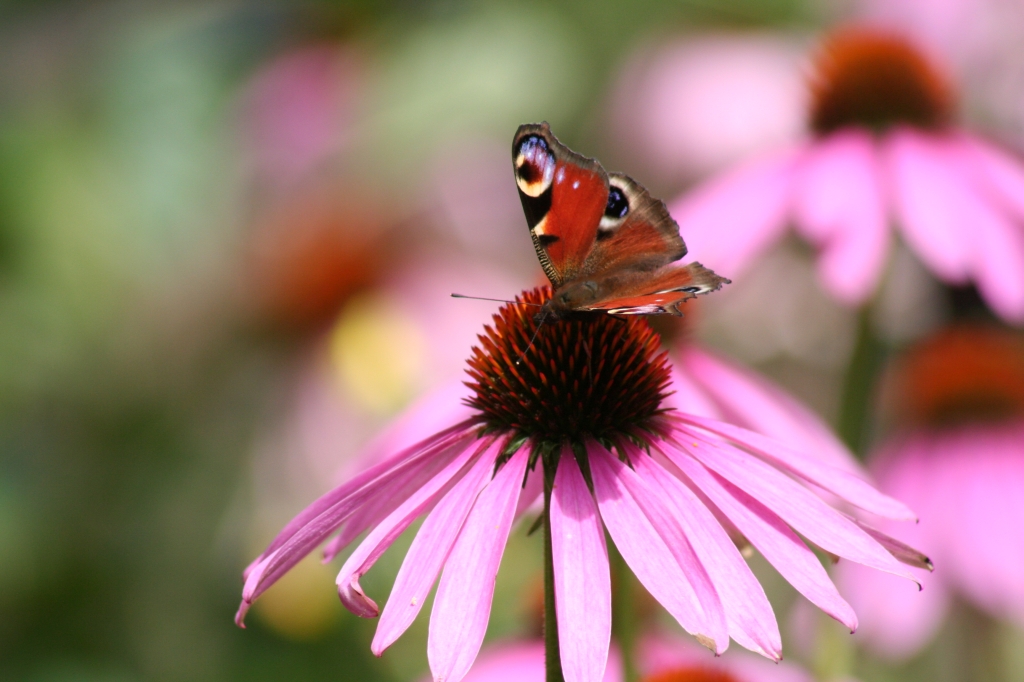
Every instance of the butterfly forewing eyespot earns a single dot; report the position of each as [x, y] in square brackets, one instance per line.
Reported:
[535, 166]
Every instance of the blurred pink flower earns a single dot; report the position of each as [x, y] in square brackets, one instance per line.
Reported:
[590, 413]
[883, 156]
[961, 464]
[524, 662]
[297, 110]
[660, 658]
[707, 102]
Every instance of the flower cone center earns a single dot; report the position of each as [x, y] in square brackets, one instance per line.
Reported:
[876, 80]
[592, 376]
[963, 374]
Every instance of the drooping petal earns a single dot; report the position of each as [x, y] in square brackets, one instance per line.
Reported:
[779, 545]
[428, 552]
[925, 195]
[795, 504]
[428, 414]
[749, 615]
[298, 540]
[583, 600]
[846, 485]
[377, 508]
[648, 556]
[462, 605]
[659, 510]
[839, 207]
[412, 458]
[381, 537]
[731, 219]
[1002, 173]
[753, 402]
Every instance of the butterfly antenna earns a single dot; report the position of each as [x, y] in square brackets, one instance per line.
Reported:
[496, 300]
[533, 338]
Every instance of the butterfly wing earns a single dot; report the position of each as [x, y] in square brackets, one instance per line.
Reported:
[636, 231]
[660, 292]
[564, 196]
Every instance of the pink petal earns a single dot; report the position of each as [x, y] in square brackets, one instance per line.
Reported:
[324, 516]
[795, 504]
[772, 537]
[583, 599]
[851, 488]
[839, 207]
[381, 537]
[748, 612]
[689, 396]
[656, 506]
[1001, 172]
[728, 221]
[462, 605]
[530, 499]
[428, 552]
[430, 413]
[926, 195]
[992, 244]
[751, 401]
[647, 554]
[376, 509]
[412, 458]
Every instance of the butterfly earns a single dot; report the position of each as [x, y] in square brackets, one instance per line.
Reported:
[603, 241]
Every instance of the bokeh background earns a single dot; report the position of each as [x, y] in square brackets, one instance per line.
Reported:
[228, 233]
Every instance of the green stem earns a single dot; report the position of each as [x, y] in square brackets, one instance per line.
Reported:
[552, 657]
[858, 385]
[625, 622]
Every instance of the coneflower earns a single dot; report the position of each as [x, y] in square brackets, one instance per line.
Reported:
[579, 417]
[884, 154]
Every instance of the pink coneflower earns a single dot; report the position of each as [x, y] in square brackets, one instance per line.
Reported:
[884, 154]
[958, 456]
[578, 417]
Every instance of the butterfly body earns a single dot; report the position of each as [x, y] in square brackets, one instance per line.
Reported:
[603, 241]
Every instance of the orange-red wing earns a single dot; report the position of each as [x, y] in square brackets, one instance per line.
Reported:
[636, 231]
[564, 196]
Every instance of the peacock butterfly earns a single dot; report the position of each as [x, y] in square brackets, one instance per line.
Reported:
[603, 241]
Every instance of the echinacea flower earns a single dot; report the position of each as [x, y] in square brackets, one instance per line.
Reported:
[958, 457]
[579, 415]
[884, 154]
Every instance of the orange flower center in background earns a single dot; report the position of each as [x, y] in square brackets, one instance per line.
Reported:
[963, 374]
[867, 78]
[690, 674]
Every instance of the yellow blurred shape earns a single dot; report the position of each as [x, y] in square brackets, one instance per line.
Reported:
[302, 605]
[377, 351]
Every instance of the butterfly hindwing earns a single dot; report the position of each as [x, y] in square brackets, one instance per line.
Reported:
[660, 293]
[636, 231]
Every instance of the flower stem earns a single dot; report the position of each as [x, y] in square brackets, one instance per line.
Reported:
[858, 385]
[626, 621]
[552, 658]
